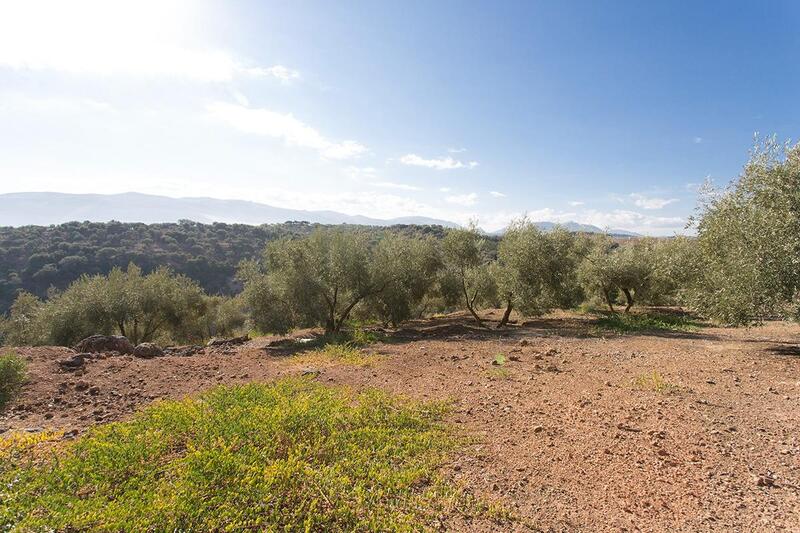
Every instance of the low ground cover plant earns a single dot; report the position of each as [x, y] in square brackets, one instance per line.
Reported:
[643, 322]
[288, 456]
[654, 381]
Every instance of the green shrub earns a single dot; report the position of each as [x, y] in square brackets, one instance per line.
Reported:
[288, 456]
[142, 307]
[12, 376]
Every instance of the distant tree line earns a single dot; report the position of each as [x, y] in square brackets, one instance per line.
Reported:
[37, 258]
[743, 267]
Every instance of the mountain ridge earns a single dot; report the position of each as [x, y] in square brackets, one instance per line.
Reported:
[49, 208]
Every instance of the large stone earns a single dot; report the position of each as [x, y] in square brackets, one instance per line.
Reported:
[105, 343]
[147, 350]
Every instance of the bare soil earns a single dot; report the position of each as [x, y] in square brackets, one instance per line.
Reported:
[568, 433]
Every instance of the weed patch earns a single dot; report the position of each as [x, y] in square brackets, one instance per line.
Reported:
[654, 381]
[499, 373]
[348, 354]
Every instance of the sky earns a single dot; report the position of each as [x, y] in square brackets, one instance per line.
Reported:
[609, 113]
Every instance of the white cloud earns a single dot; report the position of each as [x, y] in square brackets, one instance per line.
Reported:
[497, 194]
[393, 185]
[147, 38]
[456, 150]
[360, 173]
[10, 102]
[632, 221]
[240, 98]
[616, 219]
[444, 163]
[576, 203]
[466, 200]
[284, 74]
[283, 126]
[698, 140]
[650, 202]
[444, 189]
[367, 203]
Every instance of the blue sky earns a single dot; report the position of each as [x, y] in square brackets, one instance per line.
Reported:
[609, 113]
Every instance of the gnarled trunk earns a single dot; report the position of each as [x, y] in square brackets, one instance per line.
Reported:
[628, 298]
[470, 302]
[608, 301]
[506, 315]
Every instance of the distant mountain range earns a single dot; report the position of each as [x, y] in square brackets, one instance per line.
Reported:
[576, 227]
[46, 208]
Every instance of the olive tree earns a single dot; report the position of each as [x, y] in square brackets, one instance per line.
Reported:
[748, 236]
[407, 268]
[611, 268]
[22, 325]
[265, 301]
[537, 271]
[467, 271]
[320, 279]
[675, 267]
[138, 306]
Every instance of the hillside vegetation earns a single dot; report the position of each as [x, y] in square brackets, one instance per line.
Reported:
[35, 258]
[742, 268]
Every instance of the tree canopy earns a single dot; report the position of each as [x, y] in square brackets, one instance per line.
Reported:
[748, 236]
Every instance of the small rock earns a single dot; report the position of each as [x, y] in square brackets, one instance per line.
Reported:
[524, 342]
[94, 391]
[766, 480]
[72, 363]
[314, 372]
[82, 386]
[227, 342]
[147, 350]
[183, 351]
[538, 429]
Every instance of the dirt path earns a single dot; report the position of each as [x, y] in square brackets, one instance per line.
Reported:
[573, 432]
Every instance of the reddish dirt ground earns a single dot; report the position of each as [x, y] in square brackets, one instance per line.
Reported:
[563, 434]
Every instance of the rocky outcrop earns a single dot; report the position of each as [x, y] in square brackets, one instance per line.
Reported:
[105, 343]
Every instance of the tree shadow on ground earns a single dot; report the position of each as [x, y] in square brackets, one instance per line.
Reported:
[459, 327]
[786, 349]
